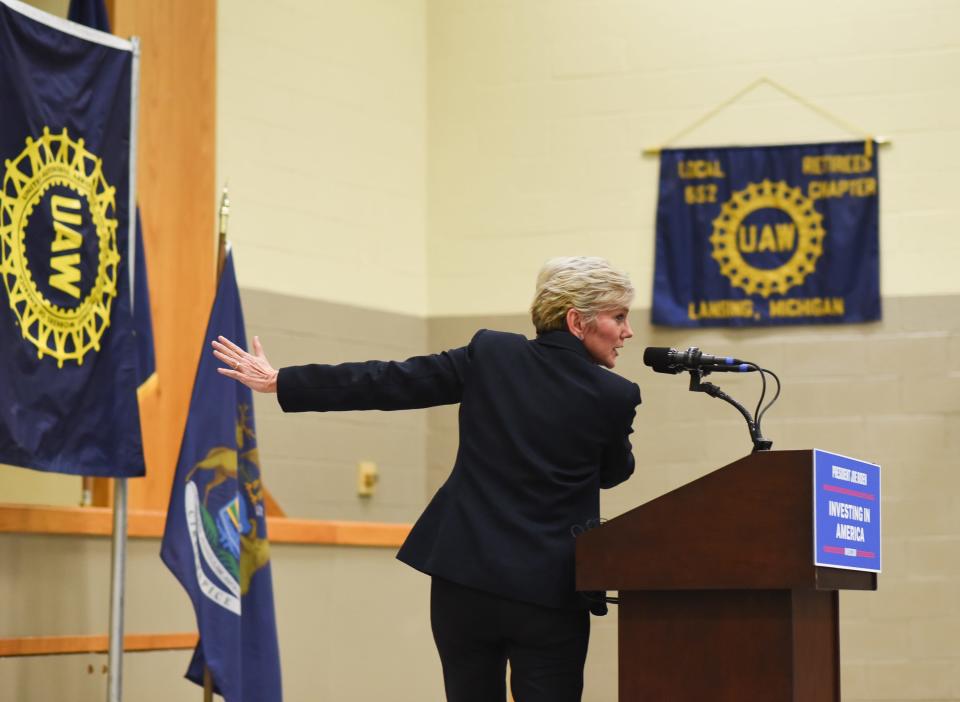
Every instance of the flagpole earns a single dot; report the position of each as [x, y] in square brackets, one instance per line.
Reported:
[118, 551]
[207, 684]
[221, 259]
[118, 559]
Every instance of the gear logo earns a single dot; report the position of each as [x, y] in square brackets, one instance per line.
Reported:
[60, 272]
[799, 239]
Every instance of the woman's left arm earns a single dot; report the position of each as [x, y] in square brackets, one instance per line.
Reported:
[421, 381]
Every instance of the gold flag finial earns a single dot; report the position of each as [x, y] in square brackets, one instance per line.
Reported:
[222, 229]
[224, 211]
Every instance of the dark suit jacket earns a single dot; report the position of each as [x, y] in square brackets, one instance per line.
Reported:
[542, 429]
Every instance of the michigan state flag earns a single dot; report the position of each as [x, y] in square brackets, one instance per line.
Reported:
[754, 236]
[215, 541]
[68, 358]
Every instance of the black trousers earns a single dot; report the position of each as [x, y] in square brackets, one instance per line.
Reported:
[477, 633]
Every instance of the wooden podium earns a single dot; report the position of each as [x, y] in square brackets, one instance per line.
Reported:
[719, 597]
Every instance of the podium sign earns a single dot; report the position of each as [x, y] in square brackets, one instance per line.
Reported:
[846, 512]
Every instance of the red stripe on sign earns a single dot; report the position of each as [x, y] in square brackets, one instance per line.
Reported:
[843, 552]
[848, 491]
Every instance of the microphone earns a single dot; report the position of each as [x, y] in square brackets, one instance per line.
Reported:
[664, 360]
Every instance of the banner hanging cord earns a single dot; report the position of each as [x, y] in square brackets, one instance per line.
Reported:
[764, 80]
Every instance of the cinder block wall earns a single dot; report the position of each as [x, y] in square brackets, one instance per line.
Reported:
[400, 170]
[312, 458]
[322, 138]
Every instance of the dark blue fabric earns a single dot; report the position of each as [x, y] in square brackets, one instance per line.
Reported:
[68, 397]
[93, 13]
[542, 429]
[217, 500]
[142, 318]
[755, 236]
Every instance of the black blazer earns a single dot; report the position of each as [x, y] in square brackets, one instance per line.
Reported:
[542, 429]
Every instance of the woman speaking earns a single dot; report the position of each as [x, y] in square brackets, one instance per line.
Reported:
[542, 428]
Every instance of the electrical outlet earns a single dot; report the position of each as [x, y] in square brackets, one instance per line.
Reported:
[367, 478]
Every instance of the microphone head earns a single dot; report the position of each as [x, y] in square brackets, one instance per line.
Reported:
[660, 360]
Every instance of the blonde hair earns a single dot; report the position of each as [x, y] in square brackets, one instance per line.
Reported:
[587, 284]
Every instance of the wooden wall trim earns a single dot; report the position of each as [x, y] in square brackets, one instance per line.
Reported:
[148, 524]
[177, 193]
[306, 531]
[96, 643]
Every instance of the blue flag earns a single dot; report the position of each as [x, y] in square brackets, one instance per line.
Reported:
[68, 362]
[215, 541]
[755, 236]
[93, 13]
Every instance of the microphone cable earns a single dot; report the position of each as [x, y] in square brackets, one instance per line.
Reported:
[760, 412]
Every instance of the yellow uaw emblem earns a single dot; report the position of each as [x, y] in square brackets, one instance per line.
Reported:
[803, 236]
[55, 161]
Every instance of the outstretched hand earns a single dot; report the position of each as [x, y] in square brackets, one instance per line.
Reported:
[253, 370]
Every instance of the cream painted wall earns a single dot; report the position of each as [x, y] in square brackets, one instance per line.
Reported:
[26, 487]
[321, 135]
[54, 7]
[539, 112]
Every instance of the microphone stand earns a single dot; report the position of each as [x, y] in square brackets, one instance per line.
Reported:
[697, 385]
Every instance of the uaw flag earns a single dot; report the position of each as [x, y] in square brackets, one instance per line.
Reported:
[215, 541]
[755, 236]
[68, 357]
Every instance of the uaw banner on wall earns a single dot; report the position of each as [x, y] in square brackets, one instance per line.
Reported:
[68, 360]
[755, 236]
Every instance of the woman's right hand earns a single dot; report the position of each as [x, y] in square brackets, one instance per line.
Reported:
[253, 370]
